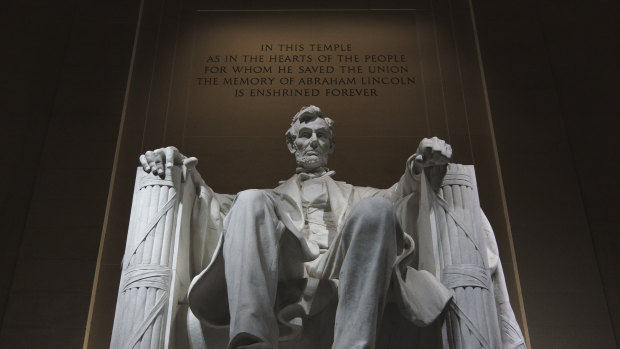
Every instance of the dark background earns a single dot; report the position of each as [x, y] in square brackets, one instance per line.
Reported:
[552, 78]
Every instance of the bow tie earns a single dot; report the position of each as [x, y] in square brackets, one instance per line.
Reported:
[320, 172]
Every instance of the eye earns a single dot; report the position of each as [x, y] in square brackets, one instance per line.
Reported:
[305, 134]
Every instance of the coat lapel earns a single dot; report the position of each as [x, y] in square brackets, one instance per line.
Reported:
[288, 199]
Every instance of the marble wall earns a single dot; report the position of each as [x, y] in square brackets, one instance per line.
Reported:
[551, 82]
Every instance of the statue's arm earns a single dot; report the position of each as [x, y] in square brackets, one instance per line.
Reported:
[208, 213]
[157, 161]
[432, 157]
[208, 210]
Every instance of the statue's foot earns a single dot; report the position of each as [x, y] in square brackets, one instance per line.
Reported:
[247, 341]
[256, 346]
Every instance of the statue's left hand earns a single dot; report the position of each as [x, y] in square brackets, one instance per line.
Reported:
[432, 158]
[432, 152]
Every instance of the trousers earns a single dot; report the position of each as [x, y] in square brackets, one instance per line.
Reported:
[259, 252]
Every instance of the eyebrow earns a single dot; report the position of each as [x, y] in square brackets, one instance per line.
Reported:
[315, 129]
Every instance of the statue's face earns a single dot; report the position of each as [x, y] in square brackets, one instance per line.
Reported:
[313, 144]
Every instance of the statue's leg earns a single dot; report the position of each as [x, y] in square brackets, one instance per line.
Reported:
[367, 246]
[252, 232]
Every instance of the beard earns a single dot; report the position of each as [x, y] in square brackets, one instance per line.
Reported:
[311, 161]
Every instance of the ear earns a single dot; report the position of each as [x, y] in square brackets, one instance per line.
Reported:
[332, 146]
[291, 145]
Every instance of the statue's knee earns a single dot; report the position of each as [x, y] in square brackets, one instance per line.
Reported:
[252, 214]
[251, 196]
[371, 215]
[252, 200]
[372, 208]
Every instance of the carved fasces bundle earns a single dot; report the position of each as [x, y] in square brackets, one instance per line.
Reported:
[153, 279]
[454, 247]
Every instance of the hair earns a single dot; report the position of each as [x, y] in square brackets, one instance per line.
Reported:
[307, 114]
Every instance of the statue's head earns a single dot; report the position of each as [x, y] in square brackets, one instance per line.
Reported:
[311, 138]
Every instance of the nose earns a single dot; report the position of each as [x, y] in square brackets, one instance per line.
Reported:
[314, 141]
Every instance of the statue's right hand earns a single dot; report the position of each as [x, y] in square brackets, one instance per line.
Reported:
[158, 160]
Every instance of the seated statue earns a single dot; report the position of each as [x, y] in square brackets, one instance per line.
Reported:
[267, 263]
